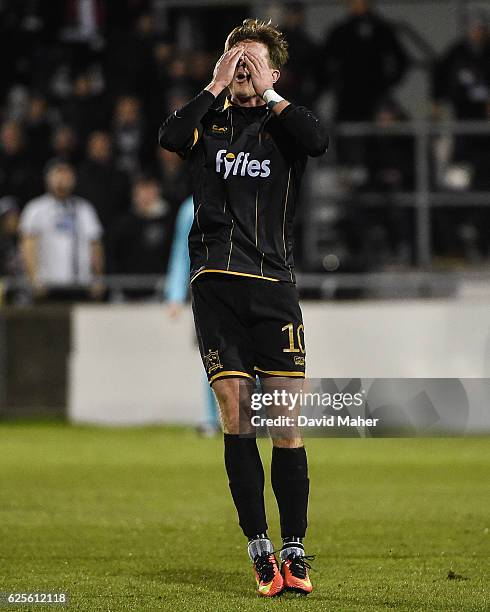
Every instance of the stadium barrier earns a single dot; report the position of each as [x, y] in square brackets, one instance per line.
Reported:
[133, 365]
[34, 344]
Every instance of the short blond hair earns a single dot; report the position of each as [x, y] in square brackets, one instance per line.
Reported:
[265, 33]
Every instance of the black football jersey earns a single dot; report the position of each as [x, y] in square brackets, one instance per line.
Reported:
[246, 165]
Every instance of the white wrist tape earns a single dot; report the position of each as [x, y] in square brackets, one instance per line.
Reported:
[271, 98]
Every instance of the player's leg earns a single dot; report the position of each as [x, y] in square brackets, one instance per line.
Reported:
[280, 362]
[291, 485]
[246, 479]
[242, 458]
[227, 355]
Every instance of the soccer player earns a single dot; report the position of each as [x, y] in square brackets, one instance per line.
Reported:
[246, 160]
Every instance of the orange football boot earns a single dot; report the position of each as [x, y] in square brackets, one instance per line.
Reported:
[294, 571]
[267, 574]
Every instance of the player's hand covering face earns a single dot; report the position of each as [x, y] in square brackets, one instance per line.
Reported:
[225, 68]
[253, 74]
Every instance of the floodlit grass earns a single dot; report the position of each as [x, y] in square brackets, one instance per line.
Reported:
[142, 519]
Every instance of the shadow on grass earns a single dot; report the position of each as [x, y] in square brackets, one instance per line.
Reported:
[213, 580]
[236, 584]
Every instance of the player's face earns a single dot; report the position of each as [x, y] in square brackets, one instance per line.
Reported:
[241, 86]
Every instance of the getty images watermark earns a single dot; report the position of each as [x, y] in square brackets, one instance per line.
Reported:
[355, 407]
[292, 402]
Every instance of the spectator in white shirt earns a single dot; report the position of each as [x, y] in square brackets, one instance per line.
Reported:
[61, 239]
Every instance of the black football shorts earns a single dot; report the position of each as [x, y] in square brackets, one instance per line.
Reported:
[248, 327]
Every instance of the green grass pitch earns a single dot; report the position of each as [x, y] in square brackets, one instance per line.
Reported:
[142, 519]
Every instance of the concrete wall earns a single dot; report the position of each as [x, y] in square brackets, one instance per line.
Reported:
[131, 364]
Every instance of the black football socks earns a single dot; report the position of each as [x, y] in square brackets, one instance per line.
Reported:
[246, 480]
[290, 483]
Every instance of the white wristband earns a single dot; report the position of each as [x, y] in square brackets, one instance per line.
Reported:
[271, 98]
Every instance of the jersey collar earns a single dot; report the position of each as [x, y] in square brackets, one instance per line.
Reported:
[250, 109]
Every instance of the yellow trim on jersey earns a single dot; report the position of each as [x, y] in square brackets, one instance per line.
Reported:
[230, 373]
[274, 280]
[227, 103]
[196, 136]
[278, 373]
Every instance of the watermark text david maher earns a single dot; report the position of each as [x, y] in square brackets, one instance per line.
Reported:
[334, 420]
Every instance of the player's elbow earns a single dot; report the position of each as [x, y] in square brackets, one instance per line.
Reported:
[167, 139]
[318, 144]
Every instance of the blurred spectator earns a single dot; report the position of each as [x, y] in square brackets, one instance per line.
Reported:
[142, 239]
[101, 183]
[16, 104]
[86, 109]
[76, 20]
[60, 240]
[176, 98]
[84, 20]
[38, 130]
[17, 178]
[391, 165]
[65, 145]
[78, 26]
[362, 61]
[18, 40]
[462, 79]
[162, 54]
[391, 157]
[205, 26]
[200, 65]
[173, 176]
[128, 134]
[181, 83]
[462, 75]
[299, 77]
[161, 58]
[179, 75]
[121, 15]
[9, 220]
[128, 59]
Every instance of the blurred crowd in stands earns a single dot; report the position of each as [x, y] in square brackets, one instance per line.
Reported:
[84, 85]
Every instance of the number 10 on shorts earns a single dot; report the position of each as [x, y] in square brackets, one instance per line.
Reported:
[296, 340]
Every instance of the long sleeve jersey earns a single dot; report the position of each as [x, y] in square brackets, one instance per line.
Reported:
[246, 165]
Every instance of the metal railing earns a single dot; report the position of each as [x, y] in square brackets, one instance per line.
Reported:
[393, 284]
[422, 198]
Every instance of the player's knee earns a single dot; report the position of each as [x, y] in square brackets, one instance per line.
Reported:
[227, 394]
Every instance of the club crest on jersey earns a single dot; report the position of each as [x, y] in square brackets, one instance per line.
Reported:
[241, 165]
[212, 361]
